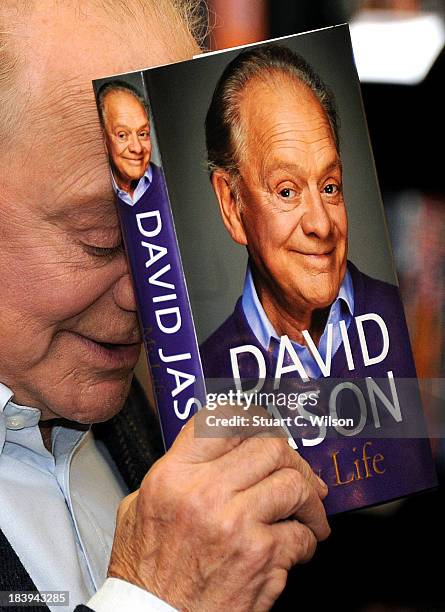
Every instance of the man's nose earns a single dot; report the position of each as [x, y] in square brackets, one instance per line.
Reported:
[315, 220]
[134, 144]
[123, 293]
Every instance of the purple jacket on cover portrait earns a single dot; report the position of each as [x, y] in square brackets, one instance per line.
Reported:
[370, 296]
[406, 452]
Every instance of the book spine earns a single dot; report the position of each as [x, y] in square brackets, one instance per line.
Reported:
[152, 251]
[163, 307]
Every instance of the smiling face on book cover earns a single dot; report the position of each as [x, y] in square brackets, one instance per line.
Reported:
[284, 201]
[127, 137]
[290, 211]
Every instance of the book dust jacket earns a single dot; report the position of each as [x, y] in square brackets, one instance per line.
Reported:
[256, 238]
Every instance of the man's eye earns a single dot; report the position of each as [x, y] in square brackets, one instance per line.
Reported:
[121, 136]
[144, 134]
[109, 252]
[331, 189]
[287, 193]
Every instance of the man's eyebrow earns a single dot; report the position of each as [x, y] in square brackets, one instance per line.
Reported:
[294, 167]
[87, 213]
[335, 165]
[124, 125]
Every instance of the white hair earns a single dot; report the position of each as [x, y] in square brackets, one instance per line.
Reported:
[187, 18]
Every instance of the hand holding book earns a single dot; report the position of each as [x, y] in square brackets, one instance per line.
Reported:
[219, 512]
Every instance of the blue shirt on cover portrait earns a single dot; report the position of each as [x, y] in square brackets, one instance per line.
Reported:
[341, 309]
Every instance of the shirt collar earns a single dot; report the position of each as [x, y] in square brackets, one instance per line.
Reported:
[346, 293]
[258, 320]
[5, 395]
[142, 186]
[19, 425]
[16, 417]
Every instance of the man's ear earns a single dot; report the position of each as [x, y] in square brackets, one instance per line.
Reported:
[229, 206]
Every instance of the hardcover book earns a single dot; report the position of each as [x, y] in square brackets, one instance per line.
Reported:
[256, 238]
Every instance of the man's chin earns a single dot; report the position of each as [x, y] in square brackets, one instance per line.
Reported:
[94, 403]
[320, 300]
[320, 290]
[136, 173]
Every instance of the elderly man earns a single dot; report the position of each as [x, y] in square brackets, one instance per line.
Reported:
[273, 151]
[126, 126]
[207, 529]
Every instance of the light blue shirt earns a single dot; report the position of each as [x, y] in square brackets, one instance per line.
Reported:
[142, 186]
[58, 511]
[341, 309]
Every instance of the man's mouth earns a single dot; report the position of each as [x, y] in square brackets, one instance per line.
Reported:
[122, 353]
[108, 345]
[317, 260]
[319, 254]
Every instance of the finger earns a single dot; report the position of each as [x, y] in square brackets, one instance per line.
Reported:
[284, 494]
[194, 443]
[256, 458]
[295, 543]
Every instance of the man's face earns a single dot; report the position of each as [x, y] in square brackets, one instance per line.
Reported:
[68, 326]
[292, 210]
[127, 137]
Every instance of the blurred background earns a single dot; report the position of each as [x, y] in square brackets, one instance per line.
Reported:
[388, 558]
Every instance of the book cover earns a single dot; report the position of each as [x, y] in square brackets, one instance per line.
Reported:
[255, 233]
